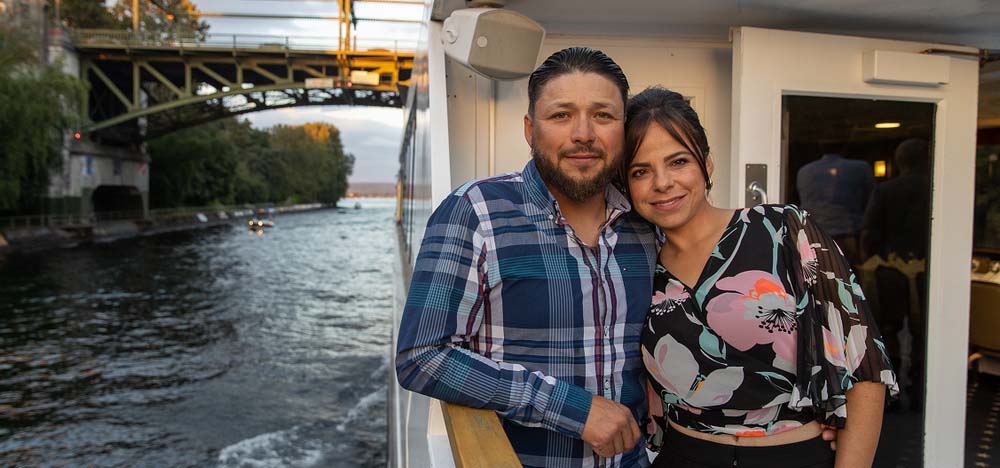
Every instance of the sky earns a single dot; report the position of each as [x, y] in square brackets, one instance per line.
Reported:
[371, 134]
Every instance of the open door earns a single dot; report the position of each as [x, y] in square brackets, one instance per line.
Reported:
[877, 139]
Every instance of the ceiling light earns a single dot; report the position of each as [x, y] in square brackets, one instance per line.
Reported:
[887, 125]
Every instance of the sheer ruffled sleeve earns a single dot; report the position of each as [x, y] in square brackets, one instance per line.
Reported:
[838, 341]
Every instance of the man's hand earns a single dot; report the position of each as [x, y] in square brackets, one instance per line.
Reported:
[610, 427]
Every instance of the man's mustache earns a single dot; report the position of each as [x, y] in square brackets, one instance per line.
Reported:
[582, 149]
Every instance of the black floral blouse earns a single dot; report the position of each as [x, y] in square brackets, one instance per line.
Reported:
[772, 335]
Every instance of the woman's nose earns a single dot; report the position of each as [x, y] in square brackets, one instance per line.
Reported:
[662, 180]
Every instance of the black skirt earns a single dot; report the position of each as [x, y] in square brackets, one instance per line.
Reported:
[683, 451]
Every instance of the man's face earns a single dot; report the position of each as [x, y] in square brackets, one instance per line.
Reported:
[577, 134]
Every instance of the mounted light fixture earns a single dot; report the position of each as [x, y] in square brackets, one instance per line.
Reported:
[879, 169]
[887, 125]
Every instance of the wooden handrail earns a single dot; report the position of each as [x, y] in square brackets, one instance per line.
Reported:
[477, 438]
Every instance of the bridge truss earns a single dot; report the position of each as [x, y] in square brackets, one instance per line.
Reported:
[143, 87]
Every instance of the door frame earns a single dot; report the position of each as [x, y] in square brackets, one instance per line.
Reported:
[770, 64]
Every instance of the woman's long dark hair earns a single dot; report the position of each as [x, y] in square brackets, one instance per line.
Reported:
[669, 110]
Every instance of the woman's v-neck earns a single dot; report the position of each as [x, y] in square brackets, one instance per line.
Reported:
[704, 267]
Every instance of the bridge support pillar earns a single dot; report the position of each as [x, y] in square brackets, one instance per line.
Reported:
[101, 182]
[96, 181]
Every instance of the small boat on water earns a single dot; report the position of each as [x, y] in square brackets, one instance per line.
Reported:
[256, 223]
[357, 205]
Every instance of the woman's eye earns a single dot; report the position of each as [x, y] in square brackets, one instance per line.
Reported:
[638, 173]
[679, 161]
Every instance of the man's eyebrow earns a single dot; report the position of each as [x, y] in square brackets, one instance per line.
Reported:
[572, 104]
[562, 104]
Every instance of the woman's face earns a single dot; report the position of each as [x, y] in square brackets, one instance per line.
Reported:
[665, 181]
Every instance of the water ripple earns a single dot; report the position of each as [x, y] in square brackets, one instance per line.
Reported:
[212, 347]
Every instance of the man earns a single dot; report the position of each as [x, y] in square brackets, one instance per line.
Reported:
[530, 289]
[835, 190]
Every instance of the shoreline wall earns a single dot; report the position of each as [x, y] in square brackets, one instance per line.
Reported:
[31, 239]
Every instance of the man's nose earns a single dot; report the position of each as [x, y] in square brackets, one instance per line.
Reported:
[583, 132]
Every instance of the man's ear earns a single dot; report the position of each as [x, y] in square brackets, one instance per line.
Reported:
[527, 129]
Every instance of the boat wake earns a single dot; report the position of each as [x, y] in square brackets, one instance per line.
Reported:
[274, 449]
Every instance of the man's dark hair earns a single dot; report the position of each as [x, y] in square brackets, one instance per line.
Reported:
[913, 155]
[574, 60]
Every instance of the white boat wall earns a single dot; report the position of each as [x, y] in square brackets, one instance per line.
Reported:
[735, 60]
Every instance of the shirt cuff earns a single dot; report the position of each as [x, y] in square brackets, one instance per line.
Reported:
[568, 408]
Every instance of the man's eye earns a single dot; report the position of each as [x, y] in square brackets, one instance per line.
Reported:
[604, 115]
[560, 115]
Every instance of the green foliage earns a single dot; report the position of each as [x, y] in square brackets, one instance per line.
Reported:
[39, 104]
[179, 18]
[228, 162]
[88, 14]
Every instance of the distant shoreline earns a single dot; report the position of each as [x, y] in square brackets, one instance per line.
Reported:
[371, 190]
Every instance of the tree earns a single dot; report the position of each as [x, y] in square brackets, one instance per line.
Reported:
[157, 18]
[313, 163]
[88, 14]
[39, 105]
[193, 167]
[228, 161]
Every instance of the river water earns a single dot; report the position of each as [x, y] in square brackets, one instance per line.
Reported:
[217, 347]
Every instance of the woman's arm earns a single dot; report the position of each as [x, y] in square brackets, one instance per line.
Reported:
[857, 441]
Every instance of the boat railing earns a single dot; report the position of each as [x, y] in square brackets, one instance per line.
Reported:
[477, 438]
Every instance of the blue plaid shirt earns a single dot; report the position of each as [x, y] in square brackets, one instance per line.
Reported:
[509, 310]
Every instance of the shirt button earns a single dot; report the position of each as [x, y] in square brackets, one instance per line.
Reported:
[607, 331]
[607, 384]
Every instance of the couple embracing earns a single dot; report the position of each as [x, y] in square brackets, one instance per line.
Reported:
[601, 304]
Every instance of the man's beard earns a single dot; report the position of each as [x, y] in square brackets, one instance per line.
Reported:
[575, 190]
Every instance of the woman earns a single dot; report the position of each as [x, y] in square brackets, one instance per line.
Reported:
[758, 330]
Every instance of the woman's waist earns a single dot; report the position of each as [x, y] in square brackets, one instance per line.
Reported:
[755, 437]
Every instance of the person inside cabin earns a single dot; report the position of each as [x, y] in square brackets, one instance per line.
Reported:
[758, 331]
[835, 189]
[530, 289]
[895, 231]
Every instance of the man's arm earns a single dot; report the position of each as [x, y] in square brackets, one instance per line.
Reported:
[444, 308]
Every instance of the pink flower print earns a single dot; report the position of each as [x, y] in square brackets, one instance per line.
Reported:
[757, 311]
[667, 300]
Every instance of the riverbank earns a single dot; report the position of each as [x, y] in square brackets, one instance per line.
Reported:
[34, 238]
